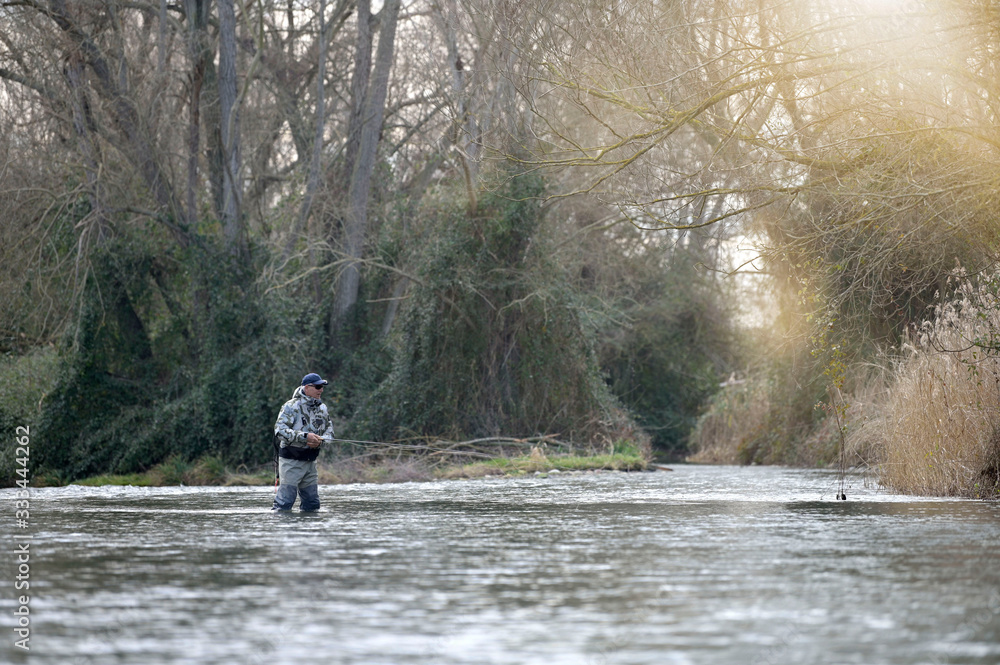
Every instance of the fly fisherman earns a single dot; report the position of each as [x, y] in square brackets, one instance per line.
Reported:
[302, 427]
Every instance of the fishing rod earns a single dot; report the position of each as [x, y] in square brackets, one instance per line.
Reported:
[374, 443]
[277, 448]
[415, 447]
[841, 494]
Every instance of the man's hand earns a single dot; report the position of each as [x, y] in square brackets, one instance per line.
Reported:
[313, 440]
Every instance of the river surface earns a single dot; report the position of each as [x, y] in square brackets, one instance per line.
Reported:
[741, 565]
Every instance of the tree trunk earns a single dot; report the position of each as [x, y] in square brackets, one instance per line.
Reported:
[161, 40]
[129, 325]
[359, 87]
[112, 84]
[356, 222]
[195, 12]
[89, 150]
[194, 142]
[463, 124]
[398, 291]
[232, 223]
[312, 184]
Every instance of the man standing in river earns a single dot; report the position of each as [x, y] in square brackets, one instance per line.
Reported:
[302, 426]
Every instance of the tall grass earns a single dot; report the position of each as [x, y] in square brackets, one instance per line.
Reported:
[936, 428]
[736, 416]
[766, 420]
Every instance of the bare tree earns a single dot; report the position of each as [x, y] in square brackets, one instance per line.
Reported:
[232, 222]
[368, 130]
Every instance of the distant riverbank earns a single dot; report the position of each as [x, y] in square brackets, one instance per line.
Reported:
[210, 470]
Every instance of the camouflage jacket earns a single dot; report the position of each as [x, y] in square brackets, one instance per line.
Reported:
[300, 416]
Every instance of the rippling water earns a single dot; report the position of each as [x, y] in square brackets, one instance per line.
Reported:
[751, 565]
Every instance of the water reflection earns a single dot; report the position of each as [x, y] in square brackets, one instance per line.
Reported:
[703, 565]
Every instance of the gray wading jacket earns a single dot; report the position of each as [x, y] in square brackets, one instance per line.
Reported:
[300, 416]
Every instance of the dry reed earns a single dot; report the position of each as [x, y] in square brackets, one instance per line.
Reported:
[736, 415]
[936, 429]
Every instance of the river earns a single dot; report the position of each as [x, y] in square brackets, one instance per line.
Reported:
[740, 565]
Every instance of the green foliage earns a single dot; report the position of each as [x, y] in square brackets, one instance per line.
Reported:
[358, 358]
[670, 358]
[491, 340]
[175, 470]
[200, 381]
[177, 354]
[24, 381]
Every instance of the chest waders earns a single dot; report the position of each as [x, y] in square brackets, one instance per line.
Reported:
[308, 454]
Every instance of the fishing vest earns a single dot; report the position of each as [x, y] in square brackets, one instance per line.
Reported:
[299, 416]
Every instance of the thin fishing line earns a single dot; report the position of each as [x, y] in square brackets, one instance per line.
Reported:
[370, 443]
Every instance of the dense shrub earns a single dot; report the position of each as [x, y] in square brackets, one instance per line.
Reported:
[771, 416]
[669, 358]
[491, 340]
[141, 381]
[24, 381]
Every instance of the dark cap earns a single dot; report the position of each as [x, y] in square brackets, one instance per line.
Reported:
[312, 379]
